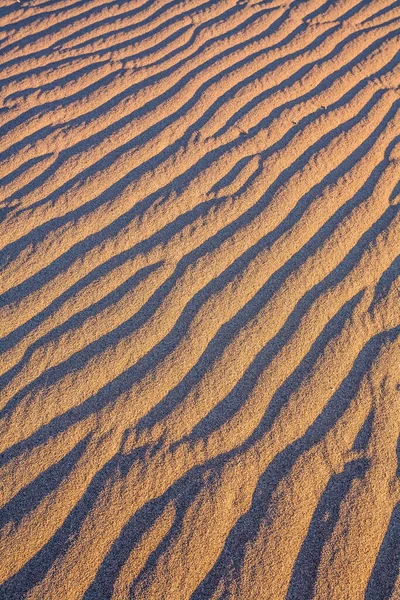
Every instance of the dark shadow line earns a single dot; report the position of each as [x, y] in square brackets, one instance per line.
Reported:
[323, 523]
[125, 381]
[386, 569]
[78, 319]
[248, 525]
[29, 497]
[36, 568]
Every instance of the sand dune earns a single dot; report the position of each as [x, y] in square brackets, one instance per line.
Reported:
[200, 300]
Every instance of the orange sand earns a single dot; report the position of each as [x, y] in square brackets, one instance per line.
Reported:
[200, 300]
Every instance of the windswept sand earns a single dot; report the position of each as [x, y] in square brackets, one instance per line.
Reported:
[200, 300]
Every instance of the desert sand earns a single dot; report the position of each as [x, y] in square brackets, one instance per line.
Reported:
[200, 300]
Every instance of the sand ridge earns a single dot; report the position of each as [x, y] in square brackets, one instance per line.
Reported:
[199, 300]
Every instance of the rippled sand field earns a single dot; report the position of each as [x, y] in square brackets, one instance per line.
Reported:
[200, 300]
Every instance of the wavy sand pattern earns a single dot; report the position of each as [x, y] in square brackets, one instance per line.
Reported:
[200, 299]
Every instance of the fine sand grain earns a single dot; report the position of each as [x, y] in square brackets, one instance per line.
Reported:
[199, 300]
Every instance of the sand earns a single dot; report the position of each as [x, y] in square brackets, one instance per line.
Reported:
[199, 300]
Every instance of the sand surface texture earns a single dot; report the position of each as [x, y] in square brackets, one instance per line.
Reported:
[200, 300]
